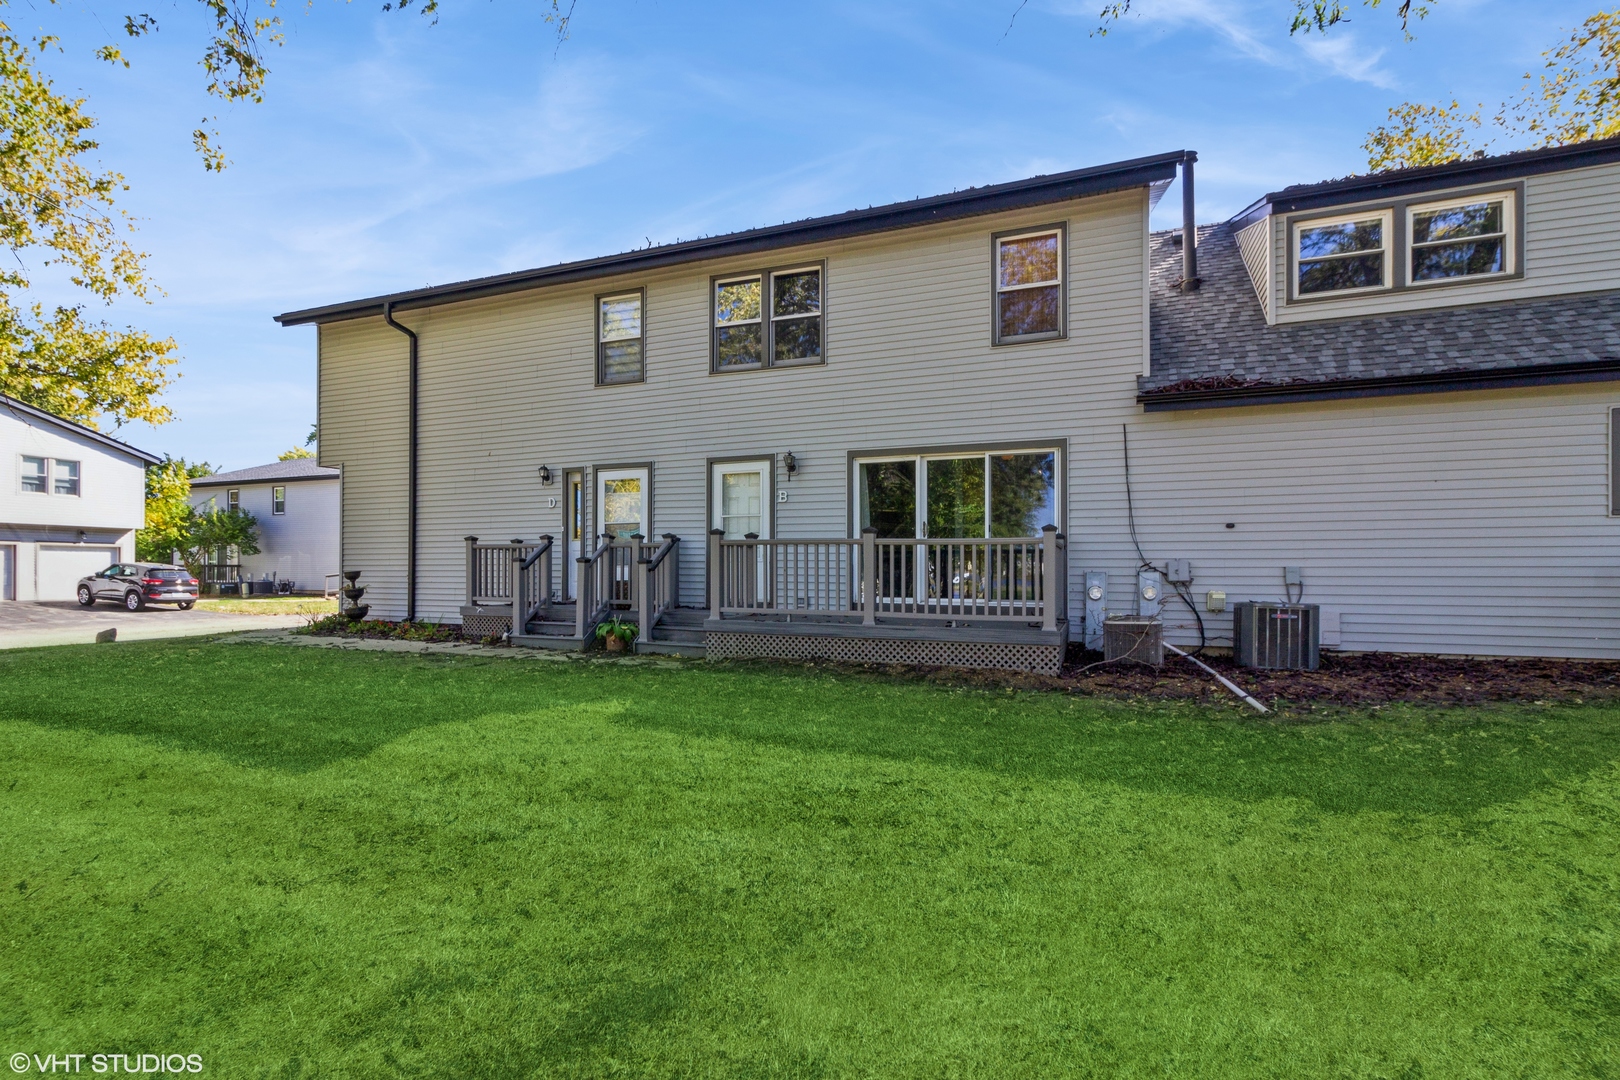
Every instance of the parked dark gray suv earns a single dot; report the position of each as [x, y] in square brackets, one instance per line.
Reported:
[137, 584]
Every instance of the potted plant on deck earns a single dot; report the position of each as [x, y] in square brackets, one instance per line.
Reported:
[616, 635]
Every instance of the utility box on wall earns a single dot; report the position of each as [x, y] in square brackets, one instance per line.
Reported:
[1285, 636]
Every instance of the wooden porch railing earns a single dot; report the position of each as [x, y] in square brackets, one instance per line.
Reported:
[605, 579]
[490, 570]
[658, 584]
[531, 583]
[1009, 579]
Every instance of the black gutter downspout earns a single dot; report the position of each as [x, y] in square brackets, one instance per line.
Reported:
[410, 513]
[1189, 225]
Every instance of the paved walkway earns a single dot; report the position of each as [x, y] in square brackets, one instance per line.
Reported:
[26, 625]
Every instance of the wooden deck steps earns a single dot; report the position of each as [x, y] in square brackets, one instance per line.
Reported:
[554, 629]
[679, 633]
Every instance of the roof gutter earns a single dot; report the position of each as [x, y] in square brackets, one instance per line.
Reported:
[1343, 389]
[410, 512]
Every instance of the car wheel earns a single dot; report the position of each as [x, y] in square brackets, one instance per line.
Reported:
[134, 601]
[187, 605]
[86, 597]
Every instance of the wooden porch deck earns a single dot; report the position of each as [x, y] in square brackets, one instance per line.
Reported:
[959, 602]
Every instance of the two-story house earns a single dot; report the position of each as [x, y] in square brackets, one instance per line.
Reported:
[295, 503]
[948, 429]
[69, 507]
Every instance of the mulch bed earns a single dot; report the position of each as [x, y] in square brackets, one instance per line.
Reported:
[377, 629]
[1357, 679]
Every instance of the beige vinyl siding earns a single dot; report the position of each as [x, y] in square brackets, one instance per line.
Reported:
[364, 406]
[508, 385]
[1571, 244]
[1252, 241]
[1458, 523]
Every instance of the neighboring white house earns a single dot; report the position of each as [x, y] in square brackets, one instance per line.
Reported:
[70, 504]
[296, 503]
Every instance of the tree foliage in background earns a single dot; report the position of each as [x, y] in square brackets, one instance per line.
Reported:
[168, 508]
[1576, 97]
[54, 205]
[217, 530]
[57, 208]
[295, 454]
[1308, 16]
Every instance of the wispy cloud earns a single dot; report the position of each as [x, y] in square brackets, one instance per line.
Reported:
[1347, 58]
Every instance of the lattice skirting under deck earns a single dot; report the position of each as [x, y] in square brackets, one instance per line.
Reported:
[1044, 659]
[478, 623]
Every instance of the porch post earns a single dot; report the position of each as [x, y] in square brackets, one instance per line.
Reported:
[545, 572]
[472, 571]
[520, 599]
[869, 576]
[674, 571]
[1049, 577]
[582, 589]
[638, 577]
[714, 573]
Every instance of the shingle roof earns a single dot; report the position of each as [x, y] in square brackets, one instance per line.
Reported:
[296, 469]
[1216, 341]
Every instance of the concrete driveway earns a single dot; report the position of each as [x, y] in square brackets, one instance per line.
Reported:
[24, 625]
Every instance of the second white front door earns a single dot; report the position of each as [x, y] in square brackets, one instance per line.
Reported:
[741, 499]
[622, 502]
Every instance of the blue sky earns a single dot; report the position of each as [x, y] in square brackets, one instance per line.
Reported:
[390, 153]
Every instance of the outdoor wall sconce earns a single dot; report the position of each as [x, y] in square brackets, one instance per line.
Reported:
[545, 474]
[790, 463]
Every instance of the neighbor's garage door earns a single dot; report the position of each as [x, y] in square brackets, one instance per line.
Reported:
[60, 568]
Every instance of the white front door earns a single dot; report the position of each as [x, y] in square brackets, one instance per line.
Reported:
[742, 490]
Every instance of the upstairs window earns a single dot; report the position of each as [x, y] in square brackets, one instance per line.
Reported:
[33, 474]
[739, 334]
[796, 316]
[1459, 240]
[1029, 286]
[1342, 256]
[620, 341]
[768, 319]
[233, 499]
[65, 477]
[278, 500]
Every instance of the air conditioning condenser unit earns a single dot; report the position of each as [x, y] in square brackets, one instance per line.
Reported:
[1285, 636]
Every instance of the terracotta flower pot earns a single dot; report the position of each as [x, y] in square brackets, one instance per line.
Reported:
[614, 643]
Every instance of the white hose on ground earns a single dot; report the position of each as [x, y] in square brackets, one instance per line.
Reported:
[1222, 679]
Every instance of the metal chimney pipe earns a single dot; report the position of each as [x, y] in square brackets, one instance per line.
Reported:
[1189, 225]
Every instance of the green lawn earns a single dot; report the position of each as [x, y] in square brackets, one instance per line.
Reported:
[306, 862]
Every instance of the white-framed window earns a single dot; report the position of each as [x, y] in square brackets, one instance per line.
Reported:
[620, 338]
[1461, 238]
[995, 493]
[233, 499]
[1342, 255]
[278, 499]
[768, 318]
[1029, 285]
[64, 477]
[34, 476]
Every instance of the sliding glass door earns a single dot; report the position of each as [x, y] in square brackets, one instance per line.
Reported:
[953, 497]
